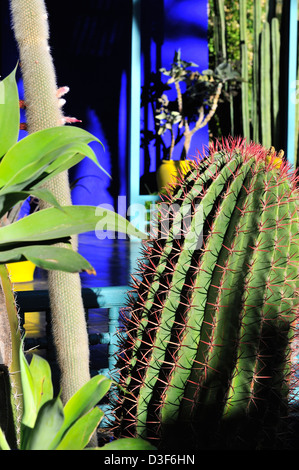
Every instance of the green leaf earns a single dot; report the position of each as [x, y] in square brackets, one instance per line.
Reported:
[49, 421]
[57, 258]
[161, 116]
[74, 155]
[53, 223]
[3, 442]
[128, 443]
[32, 154]
[78, 436]
[9, 112]
[44, 195]
[46, 166]
[29, 403]
[48, 257]
[11, 198]
[42, 380]
[82, 402]
[86, 398]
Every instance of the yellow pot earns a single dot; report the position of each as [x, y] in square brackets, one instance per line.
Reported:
[170, 170]
[23, 271]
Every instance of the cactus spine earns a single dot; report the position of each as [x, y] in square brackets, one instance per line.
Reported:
[68, 317]
[209, 327]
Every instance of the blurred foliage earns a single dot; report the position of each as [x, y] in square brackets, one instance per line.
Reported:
[224, 40]
[231, 9]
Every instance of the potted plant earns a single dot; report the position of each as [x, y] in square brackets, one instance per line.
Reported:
[196, 99]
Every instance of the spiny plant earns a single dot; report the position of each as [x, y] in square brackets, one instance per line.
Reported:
[206, 358]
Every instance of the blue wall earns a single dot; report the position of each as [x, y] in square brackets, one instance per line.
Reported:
[166, 27]
[186, 24]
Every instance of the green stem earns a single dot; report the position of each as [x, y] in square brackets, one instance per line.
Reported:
[244, 69]
[275, 49]
[255, 71]
[265, 87]
[10, 344]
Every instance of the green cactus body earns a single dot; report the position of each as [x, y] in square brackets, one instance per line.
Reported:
[210, 325]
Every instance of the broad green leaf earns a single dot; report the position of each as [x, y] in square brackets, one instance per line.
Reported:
[45, 166]
[9, 112]
[53, 223]
[57, 258]
[48, 422]
[48, 257]
[50, 171]
[29, 404]
[3, 442]
[41, 148]
[128, 443]
[79, 434]
[75, 153]
[42, 380]
[85, 399]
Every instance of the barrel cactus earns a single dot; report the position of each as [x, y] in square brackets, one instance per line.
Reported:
[206, 360]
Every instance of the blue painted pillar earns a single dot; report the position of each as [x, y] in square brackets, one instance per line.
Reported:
[136, 201]
[134, 160]
[292, 76]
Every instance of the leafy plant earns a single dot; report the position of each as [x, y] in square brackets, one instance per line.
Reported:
[48, 425]
[24, 167]
[197, 97]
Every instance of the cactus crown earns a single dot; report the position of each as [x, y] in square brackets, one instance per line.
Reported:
[210, 320]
